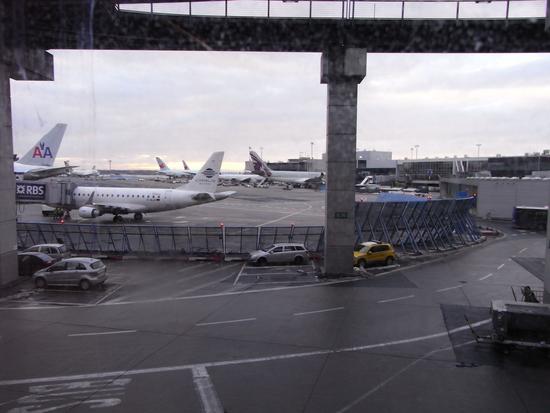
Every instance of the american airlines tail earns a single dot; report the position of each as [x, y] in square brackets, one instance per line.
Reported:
[260, 167]
[162, 164]
[43, 153]
[206, 180]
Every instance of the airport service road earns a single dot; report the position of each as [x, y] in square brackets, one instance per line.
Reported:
[199, 337]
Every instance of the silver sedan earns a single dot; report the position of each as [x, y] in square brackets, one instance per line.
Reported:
[80, 272]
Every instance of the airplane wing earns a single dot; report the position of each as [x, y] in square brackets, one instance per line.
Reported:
[46, 172]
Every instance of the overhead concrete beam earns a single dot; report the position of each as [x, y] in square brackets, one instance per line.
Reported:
[28, 64]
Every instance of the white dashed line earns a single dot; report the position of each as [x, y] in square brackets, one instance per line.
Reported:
[102, 334]
[319, 311]
[242, 320]
[395, 299]
[523, 250]
[500, 266]
[448, 288]
[486, 276]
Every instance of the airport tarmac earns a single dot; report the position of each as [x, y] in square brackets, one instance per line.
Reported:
[247, 207]
[171, 336]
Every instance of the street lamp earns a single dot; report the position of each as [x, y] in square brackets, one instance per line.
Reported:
[416, 147]
[478, 146]
[262, 152]
[412, 153]
[311, 150]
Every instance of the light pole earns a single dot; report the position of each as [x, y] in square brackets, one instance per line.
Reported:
[412, 153]
[478, 146]
[416, 147]
[311, 150]
[262, 152]
[109, 165]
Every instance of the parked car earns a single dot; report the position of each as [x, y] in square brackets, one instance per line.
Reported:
[281, 253]
[56, 251]
[79, 271]
[373, 252]
[30, 262]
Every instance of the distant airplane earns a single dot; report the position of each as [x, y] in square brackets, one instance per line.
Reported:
[83, 172]
[367, 184]
[96, 201]
[37, 163]
[235, 179]
[173, 173]
[286, 177]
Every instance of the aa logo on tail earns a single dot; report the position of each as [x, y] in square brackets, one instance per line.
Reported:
[42, 151]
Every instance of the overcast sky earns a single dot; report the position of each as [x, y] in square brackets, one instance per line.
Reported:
[132, 106]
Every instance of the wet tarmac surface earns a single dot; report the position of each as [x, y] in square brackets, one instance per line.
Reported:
[168, 335]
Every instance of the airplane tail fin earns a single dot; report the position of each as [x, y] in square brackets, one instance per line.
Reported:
[260, 167]
[162, 164]
[43, 153]
[206, 180]
[185, 165]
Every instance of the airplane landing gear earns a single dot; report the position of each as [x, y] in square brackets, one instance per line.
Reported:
[118, 219]
[138, 216]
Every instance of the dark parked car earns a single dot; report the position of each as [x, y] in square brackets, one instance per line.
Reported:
[30, 262]
[79, 271]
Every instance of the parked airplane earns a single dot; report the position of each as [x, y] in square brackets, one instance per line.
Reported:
[368, 185]
[173, 173]
[287, 177]
[96, 201]
[236, 179]
[83, 172]
[37, 163]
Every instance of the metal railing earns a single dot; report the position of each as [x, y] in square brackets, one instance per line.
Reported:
[415, 227]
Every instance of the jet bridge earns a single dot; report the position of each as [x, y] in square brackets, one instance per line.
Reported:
[58, 194]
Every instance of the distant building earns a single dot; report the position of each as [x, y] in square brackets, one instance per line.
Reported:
[297, 164]
[432, 169]
[375, 163]
[519, 166]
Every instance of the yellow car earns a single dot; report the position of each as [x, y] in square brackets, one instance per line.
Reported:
[373, 252]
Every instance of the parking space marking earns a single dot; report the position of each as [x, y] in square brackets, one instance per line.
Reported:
[523, 250]
[202, 274]
[201, 286]
[485, 277]
[239, 274]
[242, 320]
[167, 369]
[319, 311]
[108, 295]
[207, 393]
[191, 267]
[104, 333]
[395, 299]
[500, 266]
[255, 274]
[448, 288]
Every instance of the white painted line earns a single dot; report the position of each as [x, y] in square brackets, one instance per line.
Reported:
[448, 288]
[242, 320]
[210, 401]
[396, 299]
[108, 295]
[201, 286]
[202, 274]
[500, 266]
[239, 274]
[523, 250]
[259, 274]
[102, 334]
[155, 370]
[286, 216]
[190, 267]
[319, 311]
[485, 277]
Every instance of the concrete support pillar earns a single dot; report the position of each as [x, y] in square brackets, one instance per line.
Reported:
[19, 63]
[342, 70]
[546, 297]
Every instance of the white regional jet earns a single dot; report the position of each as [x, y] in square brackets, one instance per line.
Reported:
[96, 201]
[37, 163]
[173, 173]
[83, 172]
[286, 177]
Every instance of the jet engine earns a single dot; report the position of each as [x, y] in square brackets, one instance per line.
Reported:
[88, 212]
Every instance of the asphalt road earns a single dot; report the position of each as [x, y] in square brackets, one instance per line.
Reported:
[168, 336]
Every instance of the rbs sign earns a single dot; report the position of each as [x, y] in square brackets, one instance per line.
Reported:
[29, 192]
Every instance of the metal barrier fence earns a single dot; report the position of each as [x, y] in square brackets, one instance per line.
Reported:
[163, 239]
[410, 226]
[418, 226]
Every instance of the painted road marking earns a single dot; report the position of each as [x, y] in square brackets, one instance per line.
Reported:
[500, 266]
[395, 299]
[239, 274]
[190, 267]
[108, 295]
[242, 320]
[103, 333]
[207, 393]
[485, 277]
[319, 311]
[167, 369]
[259, 274]
[202, 274]
[201, 286]
[286, 216]
[523, 250]
[448, 288]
